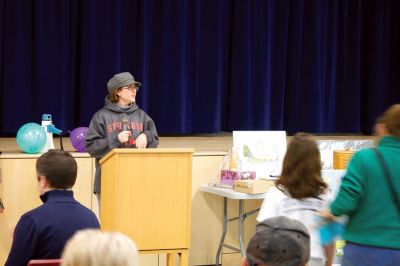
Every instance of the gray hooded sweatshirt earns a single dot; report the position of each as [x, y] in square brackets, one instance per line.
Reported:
[106, 123]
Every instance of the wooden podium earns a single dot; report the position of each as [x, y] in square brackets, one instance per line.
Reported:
[146, 194]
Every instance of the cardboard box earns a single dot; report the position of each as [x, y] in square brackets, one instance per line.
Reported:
[253, 186]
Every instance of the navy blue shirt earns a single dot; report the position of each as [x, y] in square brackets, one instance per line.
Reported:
[42, 232]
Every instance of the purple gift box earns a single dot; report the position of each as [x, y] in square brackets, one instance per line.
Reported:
[228, 177]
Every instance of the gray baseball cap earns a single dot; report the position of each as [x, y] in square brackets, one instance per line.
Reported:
[120, 80]
[279, 241]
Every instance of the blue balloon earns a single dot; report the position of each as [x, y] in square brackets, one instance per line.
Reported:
[31, 138]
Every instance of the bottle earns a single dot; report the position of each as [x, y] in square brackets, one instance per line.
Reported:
[46, 122]
[50, 129]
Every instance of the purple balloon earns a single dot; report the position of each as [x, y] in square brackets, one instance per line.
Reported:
[77, 138]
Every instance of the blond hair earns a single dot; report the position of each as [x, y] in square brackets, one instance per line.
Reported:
[91, 247]
[391, 119]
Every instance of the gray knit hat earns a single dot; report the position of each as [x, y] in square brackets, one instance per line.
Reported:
[121, 80]
[279, 241]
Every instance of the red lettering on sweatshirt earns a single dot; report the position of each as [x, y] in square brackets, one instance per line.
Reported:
[109, 128]
[117, 126]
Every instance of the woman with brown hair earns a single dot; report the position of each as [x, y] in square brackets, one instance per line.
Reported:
[119, 124]
[300, 192]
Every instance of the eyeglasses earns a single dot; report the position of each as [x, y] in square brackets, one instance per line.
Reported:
[131, 88]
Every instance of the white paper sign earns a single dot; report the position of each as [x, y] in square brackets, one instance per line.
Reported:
[260, 151]
[334, 179]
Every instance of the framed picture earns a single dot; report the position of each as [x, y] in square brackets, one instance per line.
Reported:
[260, 151]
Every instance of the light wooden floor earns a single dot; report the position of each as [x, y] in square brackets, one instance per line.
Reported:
[201, 143]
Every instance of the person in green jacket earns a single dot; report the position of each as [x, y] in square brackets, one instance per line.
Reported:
[373, 230]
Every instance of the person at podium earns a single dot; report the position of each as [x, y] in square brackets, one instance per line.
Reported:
[119, 124]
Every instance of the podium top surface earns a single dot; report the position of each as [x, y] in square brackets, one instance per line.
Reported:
[145, 151]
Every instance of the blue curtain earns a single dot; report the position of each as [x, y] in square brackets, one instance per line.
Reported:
[207, 66]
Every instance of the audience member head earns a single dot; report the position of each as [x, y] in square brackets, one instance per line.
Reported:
[56, 169]
[391, 120]
[301, 170]
[92, 247]
[278, 241]
[379, 127]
